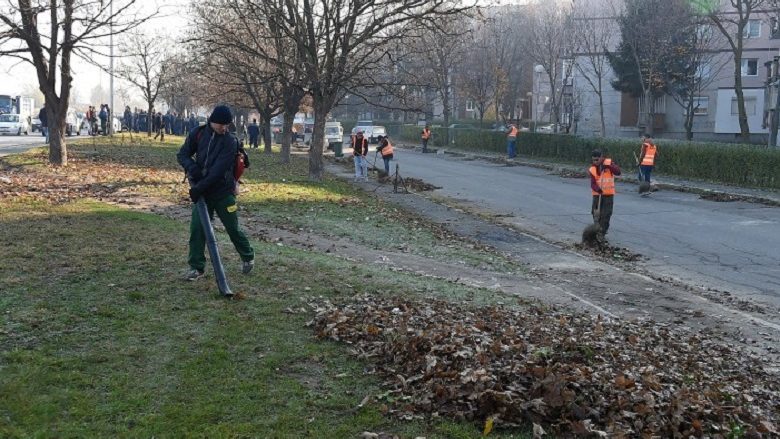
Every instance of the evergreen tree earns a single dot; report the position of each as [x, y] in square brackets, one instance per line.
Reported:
[654, 50]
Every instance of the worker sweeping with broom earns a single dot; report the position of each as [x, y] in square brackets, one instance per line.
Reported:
[602, 184]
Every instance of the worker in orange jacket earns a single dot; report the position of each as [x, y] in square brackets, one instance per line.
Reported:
[426, 135]
[647, 157]
[602, 185]
[386, 149]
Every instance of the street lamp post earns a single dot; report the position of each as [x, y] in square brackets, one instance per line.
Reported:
[111, 67]
[538, 70]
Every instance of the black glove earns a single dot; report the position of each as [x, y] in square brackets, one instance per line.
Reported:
[195, 194]
[195, 174]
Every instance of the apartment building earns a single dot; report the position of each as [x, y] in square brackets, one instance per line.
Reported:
[716, 114]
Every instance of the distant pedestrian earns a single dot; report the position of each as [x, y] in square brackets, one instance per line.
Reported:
[44, 118]
[511, 141]
[386, 149]
[360, 151]
[103, 116]
[647, 156]
[602, 184]
[128, 118]
[159, 121]
[426, 135]
[253, 131]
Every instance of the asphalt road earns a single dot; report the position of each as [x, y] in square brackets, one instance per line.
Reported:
[731, 246]
[19, 144]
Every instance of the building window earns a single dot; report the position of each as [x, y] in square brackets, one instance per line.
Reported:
[701, 105]
[750, 106]
[750, 67]
[752, 29]
[469, 105]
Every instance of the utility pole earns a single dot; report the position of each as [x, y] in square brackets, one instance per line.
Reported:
[110, 126]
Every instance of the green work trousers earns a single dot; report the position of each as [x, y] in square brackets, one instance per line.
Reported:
[227, 210]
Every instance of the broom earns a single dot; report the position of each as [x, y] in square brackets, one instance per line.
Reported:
[591, 232]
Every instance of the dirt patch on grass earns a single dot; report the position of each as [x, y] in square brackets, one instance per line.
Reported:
[418, 185]
[609, 252]
[569, 173]
[720, 197]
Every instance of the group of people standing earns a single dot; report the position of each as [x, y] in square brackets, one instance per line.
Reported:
[92, 117]
[161, 124]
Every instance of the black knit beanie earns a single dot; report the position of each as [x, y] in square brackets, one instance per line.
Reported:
[221, 115]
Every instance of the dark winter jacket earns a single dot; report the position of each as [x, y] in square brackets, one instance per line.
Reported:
[215, 157]
[43, 117]
[253, 130]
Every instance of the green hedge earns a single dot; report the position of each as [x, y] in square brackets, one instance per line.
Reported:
[742, 165]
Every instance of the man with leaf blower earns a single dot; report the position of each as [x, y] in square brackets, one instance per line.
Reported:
[212, 176]
[602, 184]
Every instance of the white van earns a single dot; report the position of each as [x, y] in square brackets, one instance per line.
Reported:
[334, 133]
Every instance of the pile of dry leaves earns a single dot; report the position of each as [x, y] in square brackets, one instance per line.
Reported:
[575, 374]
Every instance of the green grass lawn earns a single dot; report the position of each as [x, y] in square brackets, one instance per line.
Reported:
[100, 337]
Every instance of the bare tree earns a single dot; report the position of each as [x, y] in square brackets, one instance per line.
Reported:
[339, 41]
[145, 64]
[594, 32]
[265, 62]
[505, 29]
[731, 19]
[477, 74]
[701, 63]
[440, 51]
[549, 44]
[48, 34]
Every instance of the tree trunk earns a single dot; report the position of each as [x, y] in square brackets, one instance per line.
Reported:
[601, 111]
[321, 109]
[689, 122]
[744, 128]
[446, 101]
[58, 152]
[289, 120]
[150, 118]
[267, 135]
[649, 113]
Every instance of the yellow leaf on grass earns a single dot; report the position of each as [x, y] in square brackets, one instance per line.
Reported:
[488, 426]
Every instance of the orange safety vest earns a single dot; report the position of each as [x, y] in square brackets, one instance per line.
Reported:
[649, 157]
[426, 134]
[361, 148]
[606, 180]
[387, 150]
[512, 132]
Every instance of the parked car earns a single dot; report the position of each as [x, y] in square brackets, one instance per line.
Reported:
[71, 123]
[334, 133]
[116, 125]
[35, 125]
[376, 131]
[549, 129]
[462, 126]
[13, 124]
[367, 126]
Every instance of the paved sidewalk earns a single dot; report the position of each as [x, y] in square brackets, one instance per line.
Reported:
[661, 181]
